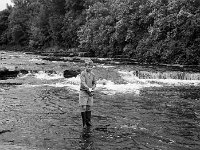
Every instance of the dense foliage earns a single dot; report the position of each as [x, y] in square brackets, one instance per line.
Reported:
[153, 31]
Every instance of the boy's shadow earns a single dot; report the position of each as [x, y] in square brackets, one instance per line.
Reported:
[86, 139]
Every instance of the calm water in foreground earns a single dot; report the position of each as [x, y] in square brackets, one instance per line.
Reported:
[39, 110]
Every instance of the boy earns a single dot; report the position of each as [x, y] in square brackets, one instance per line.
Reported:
[87, 85]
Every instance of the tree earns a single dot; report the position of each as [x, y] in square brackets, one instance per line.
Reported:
[171, 38]
[19, 20]
[4, 23]
[74, 18]
[95, 34]
[113, 27]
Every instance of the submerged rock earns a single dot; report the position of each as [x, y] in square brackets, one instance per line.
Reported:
[23, 71]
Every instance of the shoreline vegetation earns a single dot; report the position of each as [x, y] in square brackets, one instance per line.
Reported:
[159, 32]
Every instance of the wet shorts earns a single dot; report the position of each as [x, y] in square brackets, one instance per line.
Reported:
[85, 99]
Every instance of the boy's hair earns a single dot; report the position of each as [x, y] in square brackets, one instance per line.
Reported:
[90, 62]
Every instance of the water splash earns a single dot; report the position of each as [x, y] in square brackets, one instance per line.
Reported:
[73, 83]
[131, 77]
[110, 88]
[167, 75]
[104, 66]
[20, 75]
[48, 76]
[132, 84]
[37, 60]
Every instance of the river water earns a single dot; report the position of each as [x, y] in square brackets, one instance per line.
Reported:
[154, 109]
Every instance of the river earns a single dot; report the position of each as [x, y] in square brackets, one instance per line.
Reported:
[136, 107]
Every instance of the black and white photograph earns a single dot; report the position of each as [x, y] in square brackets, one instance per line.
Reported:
[99, 74]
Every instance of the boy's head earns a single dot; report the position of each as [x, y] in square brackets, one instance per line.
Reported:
[89, 65]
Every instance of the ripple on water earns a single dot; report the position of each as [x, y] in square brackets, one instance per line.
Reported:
[43, 112]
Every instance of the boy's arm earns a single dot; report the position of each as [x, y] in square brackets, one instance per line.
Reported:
[94, 82]
[82, 77]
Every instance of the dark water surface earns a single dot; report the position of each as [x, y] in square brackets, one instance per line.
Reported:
[39, 111]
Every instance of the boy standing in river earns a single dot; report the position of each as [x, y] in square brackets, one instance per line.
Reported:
[87, 85]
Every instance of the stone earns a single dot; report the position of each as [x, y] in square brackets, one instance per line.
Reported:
[5, 74]
[71, 73]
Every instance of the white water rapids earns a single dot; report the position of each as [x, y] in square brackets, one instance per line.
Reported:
[133, 83]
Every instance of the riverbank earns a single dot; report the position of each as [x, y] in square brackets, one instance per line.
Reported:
[61, 54]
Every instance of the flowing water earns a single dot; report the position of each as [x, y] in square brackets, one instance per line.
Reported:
[135, 107]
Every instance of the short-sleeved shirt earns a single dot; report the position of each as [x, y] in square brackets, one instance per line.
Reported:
[88, 79]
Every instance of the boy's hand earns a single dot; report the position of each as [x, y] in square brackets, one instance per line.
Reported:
[90, 89]
[90, 92]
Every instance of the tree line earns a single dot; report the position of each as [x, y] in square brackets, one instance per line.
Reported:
[151, 31]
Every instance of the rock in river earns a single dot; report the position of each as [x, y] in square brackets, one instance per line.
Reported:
[71, 73]
[5, 73]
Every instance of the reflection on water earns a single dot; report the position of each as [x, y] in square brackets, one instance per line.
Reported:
[86, 138]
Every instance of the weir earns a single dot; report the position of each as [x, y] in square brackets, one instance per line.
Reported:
[167, 75]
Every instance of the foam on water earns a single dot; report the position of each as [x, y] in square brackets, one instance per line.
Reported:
[24, 75]
[111, 88]
[73, 83]
[42, 75]
[104, 66]
[106, 86]
[37, 60]
[104, 59]
[173, 82]
[131, 78]
[133, 84]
